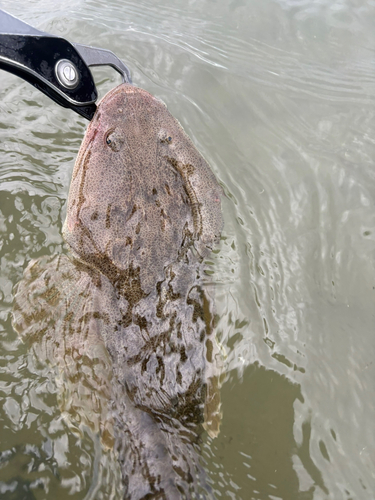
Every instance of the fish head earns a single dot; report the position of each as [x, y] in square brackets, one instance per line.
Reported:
[141, 195]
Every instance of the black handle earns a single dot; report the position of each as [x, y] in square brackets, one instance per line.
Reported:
[53, 65]
[35, 58]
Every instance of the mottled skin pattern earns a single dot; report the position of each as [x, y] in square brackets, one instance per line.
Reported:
[143, 212]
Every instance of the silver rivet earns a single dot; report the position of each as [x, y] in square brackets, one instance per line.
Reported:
[67, 74]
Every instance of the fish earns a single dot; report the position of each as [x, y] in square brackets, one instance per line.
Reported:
[126, 315]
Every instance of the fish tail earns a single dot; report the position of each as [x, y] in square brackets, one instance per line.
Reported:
[158, 460]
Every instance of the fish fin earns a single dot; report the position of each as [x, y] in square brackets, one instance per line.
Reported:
[212, 407]
[58, 312]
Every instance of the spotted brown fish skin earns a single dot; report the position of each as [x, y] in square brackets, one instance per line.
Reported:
[141, 194]
[143, 212]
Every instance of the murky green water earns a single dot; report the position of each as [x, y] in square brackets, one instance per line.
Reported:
[279, 96]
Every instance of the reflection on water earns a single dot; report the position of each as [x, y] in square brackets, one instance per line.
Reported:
[279, 97]
[257, 445]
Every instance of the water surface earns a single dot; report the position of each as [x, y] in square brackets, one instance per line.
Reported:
[279, 96]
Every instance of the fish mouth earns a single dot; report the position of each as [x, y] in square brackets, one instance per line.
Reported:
[124, 88]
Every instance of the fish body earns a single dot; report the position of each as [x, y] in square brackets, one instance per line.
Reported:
[143, 213]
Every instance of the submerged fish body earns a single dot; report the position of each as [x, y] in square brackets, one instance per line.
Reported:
[143, 212]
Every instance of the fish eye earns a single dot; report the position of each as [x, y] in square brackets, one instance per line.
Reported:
[114, 140]
[166, 139]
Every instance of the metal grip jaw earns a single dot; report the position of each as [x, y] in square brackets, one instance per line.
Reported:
[54, 66]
